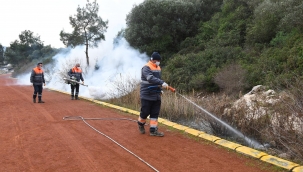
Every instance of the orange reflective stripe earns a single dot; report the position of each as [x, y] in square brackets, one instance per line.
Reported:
[141, 120]
[153, 123]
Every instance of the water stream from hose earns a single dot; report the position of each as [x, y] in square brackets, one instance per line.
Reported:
[252, 143]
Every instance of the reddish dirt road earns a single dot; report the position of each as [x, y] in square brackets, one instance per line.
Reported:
[34, 137]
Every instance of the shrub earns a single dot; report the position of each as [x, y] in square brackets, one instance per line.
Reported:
[230, 79]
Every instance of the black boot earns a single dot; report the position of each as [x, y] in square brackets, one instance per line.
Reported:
[155, 132]
[141, 127]
[34, 98]
[72, 94]
[76, 97]
[40, 101]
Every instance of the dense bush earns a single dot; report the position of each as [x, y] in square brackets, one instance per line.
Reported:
[283, 60]
[156, 25]
[292, 18]
[197, 71]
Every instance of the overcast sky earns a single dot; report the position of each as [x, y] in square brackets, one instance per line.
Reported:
[48, 17]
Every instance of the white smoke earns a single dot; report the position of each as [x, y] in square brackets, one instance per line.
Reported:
[117, 65]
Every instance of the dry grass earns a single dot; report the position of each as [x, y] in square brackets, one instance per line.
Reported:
[125, 91]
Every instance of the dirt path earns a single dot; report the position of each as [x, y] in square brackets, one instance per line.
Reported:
[34, 137]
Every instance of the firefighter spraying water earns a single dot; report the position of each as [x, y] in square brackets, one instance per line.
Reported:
[150, 95]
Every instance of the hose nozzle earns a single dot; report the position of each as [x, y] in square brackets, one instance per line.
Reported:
[171, 89]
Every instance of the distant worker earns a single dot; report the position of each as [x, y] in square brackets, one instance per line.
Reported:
[37, 79]
[76, 74]
[150, 95]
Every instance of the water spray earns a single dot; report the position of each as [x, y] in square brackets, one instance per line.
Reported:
[250, 142]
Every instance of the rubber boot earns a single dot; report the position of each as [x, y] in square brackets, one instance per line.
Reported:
[141, 127]
[34, 98]
[155, 132]
[72, 94]
[40, 101]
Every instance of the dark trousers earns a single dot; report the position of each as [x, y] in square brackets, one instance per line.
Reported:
[151, 108]
[37, 90]
[73, 87]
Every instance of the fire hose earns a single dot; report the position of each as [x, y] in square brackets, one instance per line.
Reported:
[84, 120]
[157, 88]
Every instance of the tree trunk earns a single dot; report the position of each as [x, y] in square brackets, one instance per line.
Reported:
[86, 52]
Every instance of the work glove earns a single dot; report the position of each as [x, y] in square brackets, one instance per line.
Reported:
[164, 85]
